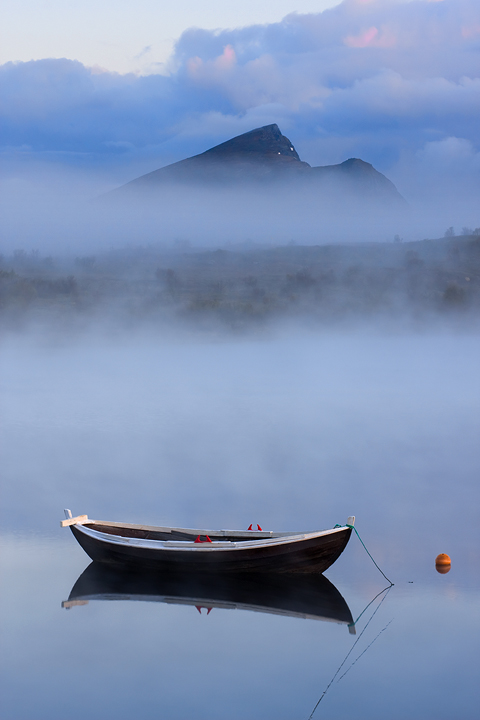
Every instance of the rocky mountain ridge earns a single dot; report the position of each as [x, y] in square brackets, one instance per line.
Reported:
[264, 155]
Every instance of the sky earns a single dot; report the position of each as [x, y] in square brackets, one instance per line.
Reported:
[113, 90]
[122, 36]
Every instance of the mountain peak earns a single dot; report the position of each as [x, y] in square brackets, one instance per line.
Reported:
[266, 142]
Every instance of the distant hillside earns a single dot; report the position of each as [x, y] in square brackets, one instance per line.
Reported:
[400, 284]
[265, 156]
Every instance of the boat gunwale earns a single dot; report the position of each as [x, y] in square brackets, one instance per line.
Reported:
[277, 539]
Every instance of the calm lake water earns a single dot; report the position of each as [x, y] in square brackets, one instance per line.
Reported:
[294, 432]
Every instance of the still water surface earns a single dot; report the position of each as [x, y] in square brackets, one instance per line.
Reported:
[295, 432]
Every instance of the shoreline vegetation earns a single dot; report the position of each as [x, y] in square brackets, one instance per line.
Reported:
[241, 287]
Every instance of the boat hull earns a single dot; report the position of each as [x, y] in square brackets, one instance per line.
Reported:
[304, 554]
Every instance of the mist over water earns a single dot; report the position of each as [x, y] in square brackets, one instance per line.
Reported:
[297, 429]
[50, 207]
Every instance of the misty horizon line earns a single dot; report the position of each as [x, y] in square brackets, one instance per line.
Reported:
[245, 289]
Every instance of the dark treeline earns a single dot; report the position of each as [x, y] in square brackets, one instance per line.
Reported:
[241, 286]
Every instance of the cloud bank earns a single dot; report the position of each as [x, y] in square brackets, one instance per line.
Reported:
[395, 83]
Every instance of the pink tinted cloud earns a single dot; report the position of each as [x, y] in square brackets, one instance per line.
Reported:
[362, 40]
[371, 38]
[470, 31]
[228, 58]
[196, 67]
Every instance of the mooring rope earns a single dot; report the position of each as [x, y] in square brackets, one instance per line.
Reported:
[352, 527]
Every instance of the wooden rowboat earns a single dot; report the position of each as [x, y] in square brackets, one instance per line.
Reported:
[307, 596]
[208, 550]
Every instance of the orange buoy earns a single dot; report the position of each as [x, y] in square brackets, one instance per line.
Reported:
[443, 563]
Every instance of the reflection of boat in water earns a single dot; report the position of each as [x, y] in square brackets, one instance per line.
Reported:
[305, 596]
[220, 551]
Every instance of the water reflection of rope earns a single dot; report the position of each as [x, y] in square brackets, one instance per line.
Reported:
[363, 653]
[386, 591]
[370, 603]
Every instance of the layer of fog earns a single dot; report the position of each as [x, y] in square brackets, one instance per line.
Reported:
[53, 210]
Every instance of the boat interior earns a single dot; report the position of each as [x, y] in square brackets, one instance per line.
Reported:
[145, 532]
